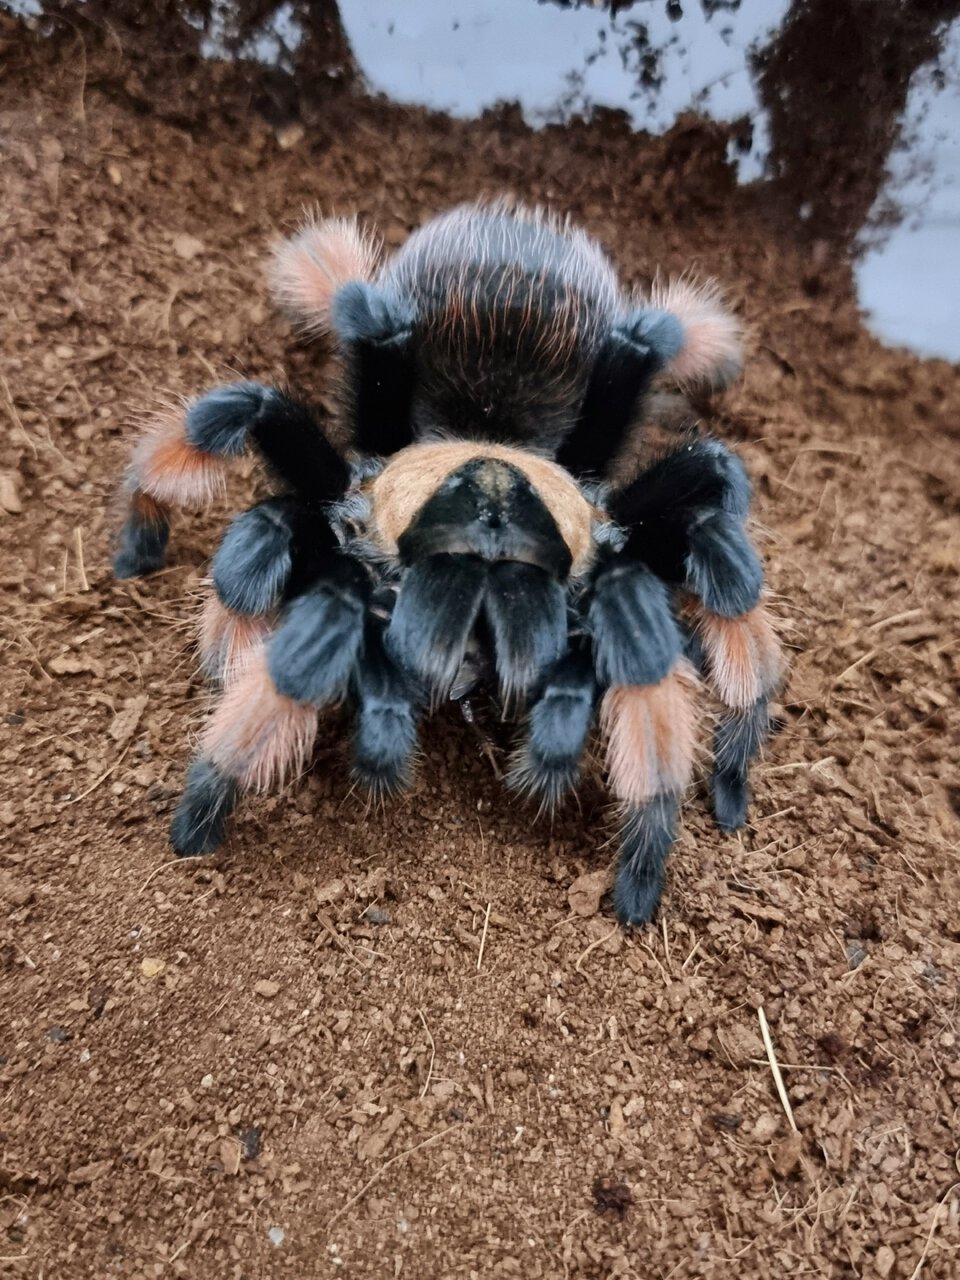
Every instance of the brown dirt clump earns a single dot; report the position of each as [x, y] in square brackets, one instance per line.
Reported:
[293, 1058]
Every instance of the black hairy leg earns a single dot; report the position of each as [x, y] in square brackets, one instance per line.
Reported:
[632, 651]
[685, 517]
[546, 763]
[647, 834]
[650, 733]
[647, 721]
[388, 710]
[200, 822]
[635, 350]
[738, 738]
[271, 552]
[743, 662]
[375, 328]
[683, 330]
[183, 455]
[312, 653]
[269, 555]
[685, 521]
[264, 724]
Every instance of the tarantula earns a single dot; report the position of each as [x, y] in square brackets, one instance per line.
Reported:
[492, 371]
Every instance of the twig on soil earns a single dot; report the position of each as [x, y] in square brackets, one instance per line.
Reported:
[179, 1249]
[597, 942]
[653, 956]
[775, 1068]
[401, 1155]
[906, 616]
[78, 538]
[864, 657]
[483, 936]
[15, 417]
[933, 1226]
[666, 946]
[809, 1066]
[433, 1054]
[174, 862]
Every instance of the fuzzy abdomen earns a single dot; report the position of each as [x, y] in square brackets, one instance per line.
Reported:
[510, 314]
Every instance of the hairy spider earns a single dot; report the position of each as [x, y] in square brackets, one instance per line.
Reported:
[492, 371]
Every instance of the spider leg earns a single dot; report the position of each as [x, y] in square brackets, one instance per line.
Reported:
[388, 708]
[650, 733]
[255, 738]
[251, 570]
[270, 553]
[635, 642]
[375, 328]
[744, 663]
[312, 653]
[685, 517]
[647, 720]
[323, 278]
[526, 611]
[227, 640]
[262, 729]
[684, 330]
[309, 267]
[547, 762]
[182, 458]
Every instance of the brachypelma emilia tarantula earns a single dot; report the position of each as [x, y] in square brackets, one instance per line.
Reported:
[492, 370]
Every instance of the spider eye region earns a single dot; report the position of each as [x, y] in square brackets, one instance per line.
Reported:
[484, 500]
[487, 508]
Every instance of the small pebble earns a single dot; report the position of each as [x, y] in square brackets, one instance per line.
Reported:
[252, 1140]
[266, 988]
[290, 135]
[275, 1236]
[206, 1082]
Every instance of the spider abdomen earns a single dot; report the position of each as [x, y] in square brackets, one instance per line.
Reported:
[510, 313]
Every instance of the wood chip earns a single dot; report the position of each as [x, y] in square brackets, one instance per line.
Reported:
[89, 1172]
[586, 891]
[10, 492]
[759, 911]
[65, 664]
[374, 1146]
[231, 1151]
[266, 988]
[126, 720]
[187, 247]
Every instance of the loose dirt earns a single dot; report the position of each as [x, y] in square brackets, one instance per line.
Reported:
[414, 1043]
